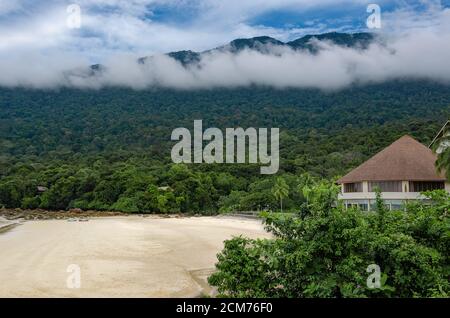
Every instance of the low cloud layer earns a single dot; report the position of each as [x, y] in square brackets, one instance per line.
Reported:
[421, 55]
[416, 50]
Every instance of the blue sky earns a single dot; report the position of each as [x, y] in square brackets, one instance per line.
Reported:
[153, 26]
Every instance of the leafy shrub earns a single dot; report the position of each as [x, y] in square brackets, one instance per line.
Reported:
[326, 252]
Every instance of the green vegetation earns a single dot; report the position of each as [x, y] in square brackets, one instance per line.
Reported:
[325, 251]
[280, 191]
[443, 162]
[109, 149]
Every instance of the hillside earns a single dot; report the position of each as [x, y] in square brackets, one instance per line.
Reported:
[110, 148]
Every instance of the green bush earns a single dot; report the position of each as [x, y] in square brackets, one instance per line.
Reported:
[326, 252]
[125, 204]
[31, 203]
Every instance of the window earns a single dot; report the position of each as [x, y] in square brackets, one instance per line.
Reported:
[353, 187]
[386, 186]
[364, 206]
[397, 207]
[374, 206]
[421, 186]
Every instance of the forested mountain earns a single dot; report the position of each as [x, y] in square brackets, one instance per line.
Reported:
[110, 148]
[266, 45]
[355, 40]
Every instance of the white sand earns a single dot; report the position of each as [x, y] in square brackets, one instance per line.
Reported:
[117, 256]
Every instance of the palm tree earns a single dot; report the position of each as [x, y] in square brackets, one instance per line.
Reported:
[280, 190]
[443, 162]
[442, 147]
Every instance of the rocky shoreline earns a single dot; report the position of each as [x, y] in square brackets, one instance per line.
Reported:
[5, 225]
[16, 214]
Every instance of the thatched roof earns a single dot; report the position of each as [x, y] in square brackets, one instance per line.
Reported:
[406, 159]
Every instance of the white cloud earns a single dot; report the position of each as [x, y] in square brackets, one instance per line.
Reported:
[124, 26]
[41, 51]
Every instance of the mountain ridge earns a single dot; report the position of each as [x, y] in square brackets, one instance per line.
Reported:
[264, 44]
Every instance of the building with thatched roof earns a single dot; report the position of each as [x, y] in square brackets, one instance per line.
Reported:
[401, 171]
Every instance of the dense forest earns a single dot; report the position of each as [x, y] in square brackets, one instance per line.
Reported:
[109, 149]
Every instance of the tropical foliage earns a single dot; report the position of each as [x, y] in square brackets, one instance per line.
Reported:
[441, 146]
[328, 251]
[280, 191]
[109, 149]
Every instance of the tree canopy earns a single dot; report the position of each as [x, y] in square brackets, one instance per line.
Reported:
[109, 149]
[331, 251]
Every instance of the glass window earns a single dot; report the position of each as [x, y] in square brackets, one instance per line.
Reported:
[353, 187]
[385, 186]
[357, 204]
[421, 186]
[364, 206]
[373, 205]
[397, 207]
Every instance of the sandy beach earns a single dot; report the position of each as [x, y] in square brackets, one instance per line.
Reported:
[117, 256]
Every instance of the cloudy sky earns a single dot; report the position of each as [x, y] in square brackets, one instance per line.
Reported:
[39, 40]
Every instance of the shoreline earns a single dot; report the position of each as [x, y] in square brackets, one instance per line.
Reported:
[6, 227]
[38, 214]
[118, 256]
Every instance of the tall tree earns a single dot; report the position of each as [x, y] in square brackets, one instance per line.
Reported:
[441, 146]
[280, 190]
